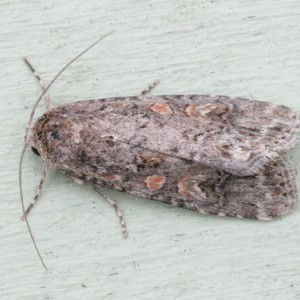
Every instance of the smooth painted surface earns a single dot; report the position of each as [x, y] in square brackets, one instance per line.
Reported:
[236, 48]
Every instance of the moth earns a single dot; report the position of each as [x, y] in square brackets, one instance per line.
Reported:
[213, 154]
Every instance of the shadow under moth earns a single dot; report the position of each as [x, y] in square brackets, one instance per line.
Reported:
[213, 154]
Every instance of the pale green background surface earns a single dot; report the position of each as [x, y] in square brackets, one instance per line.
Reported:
[233, 47]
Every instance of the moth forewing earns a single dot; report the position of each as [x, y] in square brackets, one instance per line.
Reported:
[197, 152]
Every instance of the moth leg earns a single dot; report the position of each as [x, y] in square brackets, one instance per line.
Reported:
[47, 97]
[150, 88]
[117, 209]
[38, 190]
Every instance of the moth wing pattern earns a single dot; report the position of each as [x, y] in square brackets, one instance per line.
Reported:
[234, 135]
[143, 146]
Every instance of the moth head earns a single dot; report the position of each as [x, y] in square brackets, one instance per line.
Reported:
[54, 135]
[33, 140]
[36, 138]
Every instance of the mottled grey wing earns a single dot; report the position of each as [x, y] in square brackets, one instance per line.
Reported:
[177, 182]
[81, 141]
[236, 135]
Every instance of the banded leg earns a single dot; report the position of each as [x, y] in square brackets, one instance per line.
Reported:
[38, 191]
[117, 209]
[149, 88]
[47, 97]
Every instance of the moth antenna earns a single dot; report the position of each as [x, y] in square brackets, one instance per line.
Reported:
[23, 207]
[117, 209]
[29, 126]
[47, 97]
[59, 73]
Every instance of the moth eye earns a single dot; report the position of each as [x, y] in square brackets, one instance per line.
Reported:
[35, 151]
